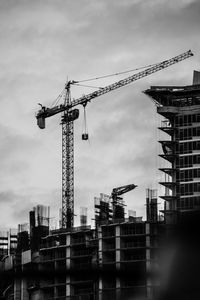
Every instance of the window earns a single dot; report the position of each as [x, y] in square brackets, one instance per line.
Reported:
[197, 145]
[198, 118]
[198, 131]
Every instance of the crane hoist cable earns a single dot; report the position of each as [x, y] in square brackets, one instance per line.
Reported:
[60, 96]
[115, 74]
[90, 86]
[85, 135]
[55, 102]
[77, 83]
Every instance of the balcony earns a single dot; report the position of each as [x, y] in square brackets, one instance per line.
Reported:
[108, 247]
[168, 157]
[168, 111]
[78, 241]
[169, 185]
[82, 266]
[135, 229]
[81, 253]
[133, 244]
[169, 171]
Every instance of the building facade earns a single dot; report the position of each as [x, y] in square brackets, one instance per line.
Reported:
[180, 107]
[114, 259]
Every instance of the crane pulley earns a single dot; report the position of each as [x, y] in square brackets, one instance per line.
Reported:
[70, 114]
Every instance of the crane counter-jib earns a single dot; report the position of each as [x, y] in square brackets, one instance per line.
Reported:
[48, 112]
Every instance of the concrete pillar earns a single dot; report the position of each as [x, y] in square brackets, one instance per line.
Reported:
[68, 286]
[24, 291]
[68, 251]
[100, 289]
[117, 246]
[148, 262]
[68, 265]
[147, 230]
[17, 289]
[100, 245]
[100, 248]
[55, 292]
[118, 288]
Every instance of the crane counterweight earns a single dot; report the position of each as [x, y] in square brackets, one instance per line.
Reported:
[41, 122]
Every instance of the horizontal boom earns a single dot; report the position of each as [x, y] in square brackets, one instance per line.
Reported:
[48, 112]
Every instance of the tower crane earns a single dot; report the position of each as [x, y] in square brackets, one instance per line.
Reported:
[118, 209]
[118, 191]
[70, 114]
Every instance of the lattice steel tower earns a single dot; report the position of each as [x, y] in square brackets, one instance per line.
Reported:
[68, 161]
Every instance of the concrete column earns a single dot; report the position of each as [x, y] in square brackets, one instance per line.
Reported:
[24, 291]
[55, 292]
[68, 286]
[148, 262]
[68, 251]
[17, 289]
[100, 254]
[117, 247]
[100, 245]
[118, 288]
[68, 265]
[100, 289]
[147, 230]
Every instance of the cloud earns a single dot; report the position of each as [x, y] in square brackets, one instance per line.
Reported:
[6, 196]
[16, 204]
[15, 152]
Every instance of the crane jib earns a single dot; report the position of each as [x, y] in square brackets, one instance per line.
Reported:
[128, 80]
[48, 112]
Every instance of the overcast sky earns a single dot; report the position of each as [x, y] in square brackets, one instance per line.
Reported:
[44, 42]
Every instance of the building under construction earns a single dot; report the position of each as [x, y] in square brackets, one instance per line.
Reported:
[180, 106]
[110, 260]
[118, 256]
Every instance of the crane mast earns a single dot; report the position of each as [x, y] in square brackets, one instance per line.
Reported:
[67, 122]
[69, 115]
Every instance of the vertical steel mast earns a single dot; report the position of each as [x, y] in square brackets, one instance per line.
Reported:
[67, 163]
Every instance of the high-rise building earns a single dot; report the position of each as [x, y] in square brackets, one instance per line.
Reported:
[180, 107]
